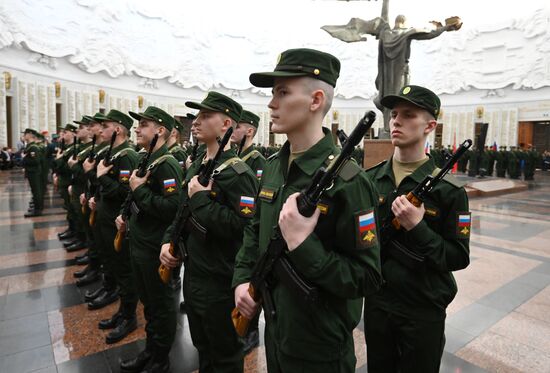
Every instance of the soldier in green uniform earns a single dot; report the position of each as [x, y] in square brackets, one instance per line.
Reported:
[513, 163]
[63, 178]
[113, 180]
[245, 131]
[78, 184]
[491, 153]
[483, 161]
[405, 321]
[332, 249]
[155, 202]
[173, 144]
[247, 128]
[222, 208]
[90, 273]
[502, 161]
[463, 162]
[33, 163]
[42, 144]
[531, 160]
[180, 154]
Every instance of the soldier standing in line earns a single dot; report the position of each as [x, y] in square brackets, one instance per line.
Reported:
[33, 163]
[335, 250]
[405, 320]
[63, 178]
[245, 131]
[222, 208]
[77, 185]
[113, 177]
[154, 204]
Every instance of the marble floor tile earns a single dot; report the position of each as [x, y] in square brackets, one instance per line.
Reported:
[23, 259]
[537, 307]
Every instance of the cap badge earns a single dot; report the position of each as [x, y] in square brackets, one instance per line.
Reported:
[316, 72]
[406, 90]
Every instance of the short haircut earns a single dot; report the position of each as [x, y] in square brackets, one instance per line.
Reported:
[315, 84]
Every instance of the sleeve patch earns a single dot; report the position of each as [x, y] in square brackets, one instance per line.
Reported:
[365, 223]
[124, 176]
[259, 174]
[169, 186]
[247, 206]
[463, 224]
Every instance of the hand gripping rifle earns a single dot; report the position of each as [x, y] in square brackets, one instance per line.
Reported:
[107, 161]
[141, 172]
[274, 261]
[90, 157]
[177, 242]
[391, 225]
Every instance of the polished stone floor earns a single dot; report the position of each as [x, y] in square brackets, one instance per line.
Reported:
[499, 322]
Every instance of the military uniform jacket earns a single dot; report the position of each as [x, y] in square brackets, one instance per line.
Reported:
[91, 175]
[155, 205]
[341, 257]
[255, 160]
[79, 178]
[61, 167]
[179, 153]
[223, 212]
[32, 162]
[114, 186]
[442, 237]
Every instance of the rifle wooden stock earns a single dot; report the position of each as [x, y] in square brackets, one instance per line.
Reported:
[91, 221]
[119, 238]
[165, 272]
[240, 321]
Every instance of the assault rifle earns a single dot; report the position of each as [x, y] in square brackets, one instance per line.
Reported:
[391, 225]
[342, 136]
[274, 261]
[194, 151]
[184, 213]
[62, 145]
[87, 184]
[107, 158]
[141, 172]
[75, 143]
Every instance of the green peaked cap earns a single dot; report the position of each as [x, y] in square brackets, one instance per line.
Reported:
[218, 103]
[116, 116]
[157, 115]
[249, 117]
[300, 62]
[416, 95]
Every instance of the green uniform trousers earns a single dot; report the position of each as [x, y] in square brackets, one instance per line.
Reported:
[405, 345]
[159, 304]
[279, 362]
[116, 265]
[35, 182]
[213, 333]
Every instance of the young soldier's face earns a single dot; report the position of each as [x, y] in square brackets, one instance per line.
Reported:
[145, 131]
[107, 129]
[409, 125]
[83, 132]
[95, 128]
[208, 126]
[238, 133]
[290, 105]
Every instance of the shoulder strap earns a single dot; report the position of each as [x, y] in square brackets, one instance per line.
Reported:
[122, 153]
[227, 163]
[160, 160]
[254, 153]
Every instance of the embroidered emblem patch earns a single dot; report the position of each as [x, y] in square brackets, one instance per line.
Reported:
[259, 174]
[267, 194]
[124, 176]
[169, 186]
[463, 224]
[366, 229]
[246, 206]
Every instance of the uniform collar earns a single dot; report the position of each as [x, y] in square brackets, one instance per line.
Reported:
[158, 153]
[246, 151]
[120, 147]
[314, 157]
[418, 175]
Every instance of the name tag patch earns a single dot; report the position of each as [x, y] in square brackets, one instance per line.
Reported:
[267, 194]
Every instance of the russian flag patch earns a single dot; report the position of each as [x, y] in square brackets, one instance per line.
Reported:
[124, 176]
[247, 206]
[463, 224]
[365, 222]
[259, 174]
[169, 186]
